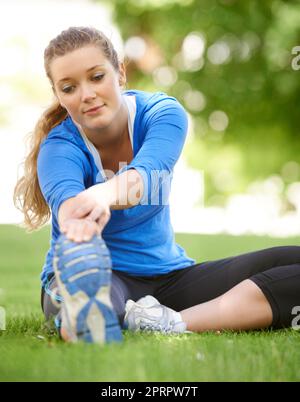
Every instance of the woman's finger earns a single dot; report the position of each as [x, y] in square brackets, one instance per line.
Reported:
[79, 230]
[83, 210]
[95, 214]
[91, 230]
[64, 227]
[71, 231]
[103, 220]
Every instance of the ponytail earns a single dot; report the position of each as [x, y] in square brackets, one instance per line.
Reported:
[28, 197]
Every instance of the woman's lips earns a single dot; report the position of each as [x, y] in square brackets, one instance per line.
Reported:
[93, 110]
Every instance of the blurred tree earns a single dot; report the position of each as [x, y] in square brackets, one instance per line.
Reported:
[229, 63]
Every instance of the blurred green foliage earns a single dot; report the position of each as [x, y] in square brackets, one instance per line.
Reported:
[245, 71]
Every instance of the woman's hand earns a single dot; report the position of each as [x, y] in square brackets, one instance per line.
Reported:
[78, 215]
[121, 192]
[80, 230]
[85, 215]
[92, 204]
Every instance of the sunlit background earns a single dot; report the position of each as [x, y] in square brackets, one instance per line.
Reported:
[228, 62]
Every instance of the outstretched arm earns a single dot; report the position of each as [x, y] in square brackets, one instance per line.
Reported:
[146, 178]
[87, 214]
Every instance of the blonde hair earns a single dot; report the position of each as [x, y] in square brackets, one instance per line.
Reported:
[28, 197]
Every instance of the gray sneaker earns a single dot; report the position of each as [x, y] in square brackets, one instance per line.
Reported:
[147, 314]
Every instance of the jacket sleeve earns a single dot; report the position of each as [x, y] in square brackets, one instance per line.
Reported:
[166, 128]
[61, 172]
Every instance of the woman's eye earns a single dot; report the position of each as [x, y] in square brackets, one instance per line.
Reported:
[68, 89]
[98, 77]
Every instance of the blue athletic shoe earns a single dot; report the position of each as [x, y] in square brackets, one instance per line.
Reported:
[83, 274]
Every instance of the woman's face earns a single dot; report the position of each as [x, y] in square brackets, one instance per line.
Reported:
[88, 87]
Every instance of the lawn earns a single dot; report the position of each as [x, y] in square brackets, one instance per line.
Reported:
[31, 351]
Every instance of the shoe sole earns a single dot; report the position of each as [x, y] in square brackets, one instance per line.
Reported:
[83, 274]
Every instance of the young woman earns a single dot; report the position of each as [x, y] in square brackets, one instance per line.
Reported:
[101, 161]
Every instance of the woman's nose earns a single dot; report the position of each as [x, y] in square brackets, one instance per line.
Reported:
[87, 93]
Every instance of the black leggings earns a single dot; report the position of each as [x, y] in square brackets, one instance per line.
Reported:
[275, 270]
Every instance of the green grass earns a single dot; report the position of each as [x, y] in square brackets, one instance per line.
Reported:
[31, 351]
